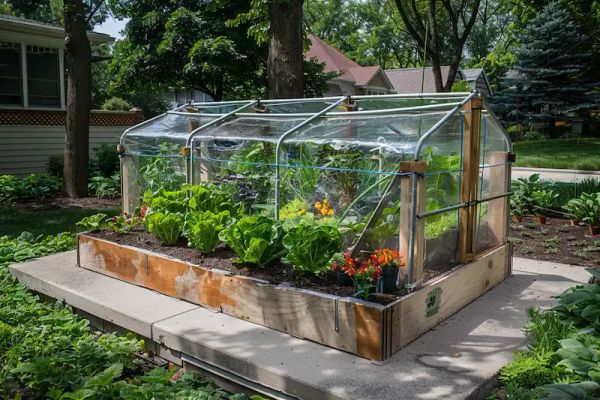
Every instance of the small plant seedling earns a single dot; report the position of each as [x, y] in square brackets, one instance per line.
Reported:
[552, 250]
[570, 238]
[527, 234]
[526, 250]
[552, 242]
[531, 225]
[590, 249]
[581, 254]
[563, 228]
[514, 240]
[579, 243]
[544, 231]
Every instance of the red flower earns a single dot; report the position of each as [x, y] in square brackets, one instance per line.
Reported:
[143, 211]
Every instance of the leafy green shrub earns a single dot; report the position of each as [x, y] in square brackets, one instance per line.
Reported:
[543, 200]
[9, 189]
[105, 188]
[581, 306]
[310, 246]
[35, 187]
[106, 160]
[530, 369]
[534, 135]
[514, 131]
[55, 165]
[116, 104]
[202, 229]
[168, 227]
[255, 239]
[580, 359]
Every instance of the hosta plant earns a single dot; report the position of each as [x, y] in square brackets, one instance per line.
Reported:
[94, 222]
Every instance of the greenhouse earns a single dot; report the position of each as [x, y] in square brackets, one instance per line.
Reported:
[404, 196]
[283, 156]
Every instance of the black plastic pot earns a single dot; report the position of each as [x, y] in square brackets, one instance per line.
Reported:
[387, 280]
[344, 279]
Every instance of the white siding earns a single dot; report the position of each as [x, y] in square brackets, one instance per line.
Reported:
[26, 149]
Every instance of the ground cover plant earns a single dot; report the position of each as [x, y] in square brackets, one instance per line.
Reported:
[48, 352]
[562, 360]
[572, 153]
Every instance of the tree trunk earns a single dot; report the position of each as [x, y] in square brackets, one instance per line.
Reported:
[284, 63]
[453, 69]
[78, 60]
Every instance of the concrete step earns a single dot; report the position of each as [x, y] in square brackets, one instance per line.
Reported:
[452, 361]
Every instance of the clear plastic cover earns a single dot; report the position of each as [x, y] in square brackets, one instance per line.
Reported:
[343, 164]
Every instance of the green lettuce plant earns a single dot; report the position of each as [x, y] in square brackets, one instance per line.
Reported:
[213, 199]
[167, 227]
[94, 222]
[202, 229]
[255, 239]
[310, 246]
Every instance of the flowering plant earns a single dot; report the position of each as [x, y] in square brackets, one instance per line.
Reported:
[324, 208]
[364, 274]
[387, 258]
[122, 223]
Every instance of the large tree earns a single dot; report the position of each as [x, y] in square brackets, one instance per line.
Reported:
[549, 80]
[369, 32]
[78, 59]
[185, 44]
[441, 27]
[285, 59]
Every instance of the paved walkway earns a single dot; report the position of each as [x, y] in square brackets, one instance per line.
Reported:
[556, 175]
[452, 361]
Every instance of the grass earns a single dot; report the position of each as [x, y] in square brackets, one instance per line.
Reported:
[15, 220]
[582, 154]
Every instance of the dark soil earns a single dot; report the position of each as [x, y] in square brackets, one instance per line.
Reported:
[67, 202]
[557, 241]
[222, 258]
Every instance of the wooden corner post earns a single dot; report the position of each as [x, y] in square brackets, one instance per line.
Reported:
[416, 169]
[470, 179]
[498, 208]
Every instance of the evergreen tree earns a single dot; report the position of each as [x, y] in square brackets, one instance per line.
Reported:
[547, 82]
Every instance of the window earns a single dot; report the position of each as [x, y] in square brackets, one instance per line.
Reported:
[43, 77]
[11, 86]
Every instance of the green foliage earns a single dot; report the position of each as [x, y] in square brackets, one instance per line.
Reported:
[116, 104]
[293, 209]
[161, 173]
[572, 391]
[581, 305]
[35, 187]
[27, 246]
[542, 200]
[93, 223]
[461, 86]
[168, 227]
[579, 359]
[172, 201]
[578, 153]
[311, 245]
[255, 239]
[585, 208]
[529, 369]
[55, 165]
[202, 229]
[106, 161]
[212, 198]
[105, 188]
[549, 82]
[122, 223]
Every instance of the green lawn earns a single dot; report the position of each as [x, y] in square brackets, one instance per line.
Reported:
[583, 154]
[14, 220]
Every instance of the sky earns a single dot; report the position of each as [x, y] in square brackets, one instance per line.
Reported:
[112, 27]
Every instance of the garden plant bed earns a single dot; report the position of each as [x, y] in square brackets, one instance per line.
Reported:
[557, 241]
[365, 328]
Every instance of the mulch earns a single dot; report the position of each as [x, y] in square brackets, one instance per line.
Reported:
[67, 202]
[557, 241]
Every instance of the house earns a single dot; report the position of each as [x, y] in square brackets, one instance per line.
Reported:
[353, 79]
[420, 80]
[33, 97]
[176, 97]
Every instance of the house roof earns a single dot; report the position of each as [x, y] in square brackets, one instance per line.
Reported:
[336, 61]
[40, 33]
[408, 80]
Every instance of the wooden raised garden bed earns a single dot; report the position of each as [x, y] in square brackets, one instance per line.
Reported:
[364, 328]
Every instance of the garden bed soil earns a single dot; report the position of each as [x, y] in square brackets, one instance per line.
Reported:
[67, 202]
[222, 258]
[557, 241]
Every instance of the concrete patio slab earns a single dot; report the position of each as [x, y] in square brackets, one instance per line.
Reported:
[120, 303]
[452, 361]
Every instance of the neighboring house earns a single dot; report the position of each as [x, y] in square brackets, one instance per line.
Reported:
[353, 79]
[419, 80]
[33, 97]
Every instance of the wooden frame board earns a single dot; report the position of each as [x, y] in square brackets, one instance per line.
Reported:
[364, 328]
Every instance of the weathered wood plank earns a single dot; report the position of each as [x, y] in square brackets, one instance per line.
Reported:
[423, 309]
